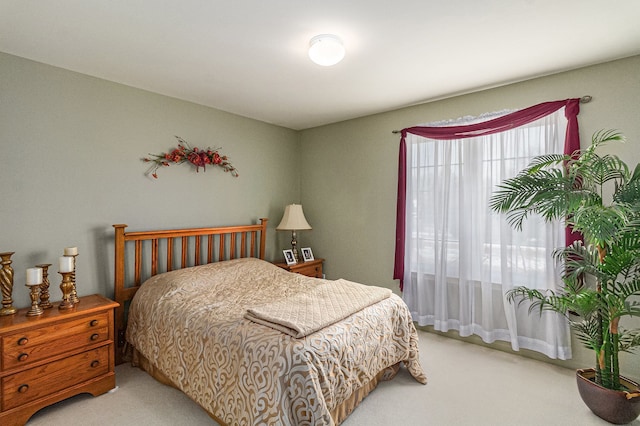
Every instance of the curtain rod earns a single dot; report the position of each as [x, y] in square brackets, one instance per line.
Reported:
[583, 100]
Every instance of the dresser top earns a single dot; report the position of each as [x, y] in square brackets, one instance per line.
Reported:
[87, 305]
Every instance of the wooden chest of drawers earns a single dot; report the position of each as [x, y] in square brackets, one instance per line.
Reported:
[54, 356]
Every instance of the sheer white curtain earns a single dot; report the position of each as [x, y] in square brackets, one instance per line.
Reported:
[461, 258]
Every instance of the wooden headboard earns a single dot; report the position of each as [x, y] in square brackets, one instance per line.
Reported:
[195, 246]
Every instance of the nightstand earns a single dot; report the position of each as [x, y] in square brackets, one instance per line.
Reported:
[311, 268]
[54, 356]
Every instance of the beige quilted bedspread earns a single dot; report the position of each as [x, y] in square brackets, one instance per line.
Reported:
[321, 306]
[190, 325]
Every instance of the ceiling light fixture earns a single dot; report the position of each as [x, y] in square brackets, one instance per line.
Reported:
[326, 49]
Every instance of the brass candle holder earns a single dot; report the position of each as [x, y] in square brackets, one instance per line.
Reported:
[67, 287]
[44, 287]
[6, 282]
[73, 297]
[34, 292]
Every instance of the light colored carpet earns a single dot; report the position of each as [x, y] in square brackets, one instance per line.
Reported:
[468, 385]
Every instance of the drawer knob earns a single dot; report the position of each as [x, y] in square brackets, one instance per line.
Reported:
[23, 388]
[93, 323]
[95, 363]
[95, 336]
[23, 341]
[23, 357]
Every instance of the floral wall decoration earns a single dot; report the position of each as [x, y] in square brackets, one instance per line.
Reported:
[195, 156]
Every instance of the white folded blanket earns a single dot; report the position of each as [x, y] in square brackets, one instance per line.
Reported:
[326, 304]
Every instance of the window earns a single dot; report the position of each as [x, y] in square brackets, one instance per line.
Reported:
[460, 258]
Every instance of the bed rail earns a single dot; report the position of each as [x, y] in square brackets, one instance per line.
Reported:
[161, 251]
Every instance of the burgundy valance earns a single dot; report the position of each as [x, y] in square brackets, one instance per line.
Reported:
[496, 125]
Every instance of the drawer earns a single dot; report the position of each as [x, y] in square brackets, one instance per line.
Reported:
[310, 270]
[37, 382]
[34, 345]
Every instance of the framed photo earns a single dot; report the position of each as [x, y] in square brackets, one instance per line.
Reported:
[288, 257]
[307, 254]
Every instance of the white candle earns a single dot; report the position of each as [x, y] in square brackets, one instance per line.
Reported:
[70, 251]
[66, 264]
[34, 276]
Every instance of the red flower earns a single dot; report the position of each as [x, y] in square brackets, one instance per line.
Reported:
[176, 155]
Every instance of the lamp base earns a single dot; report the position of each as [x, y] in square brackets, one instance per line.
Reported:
[294, 246]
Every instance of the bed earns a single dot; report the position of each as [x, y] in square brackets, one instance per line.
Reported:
[220, 327]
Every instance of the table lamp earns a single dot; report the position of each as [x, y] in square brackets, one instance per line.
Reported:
[293, 220]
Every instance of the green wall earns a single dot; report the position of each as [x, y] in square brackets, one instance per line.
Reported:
[350, 168]
[70, 167]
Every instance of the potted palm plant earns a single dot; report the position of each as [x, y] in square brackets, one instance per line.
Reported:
[601, 274]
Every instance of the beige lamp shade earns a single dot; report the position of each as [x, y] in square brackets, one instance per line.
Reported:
[293, 219]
